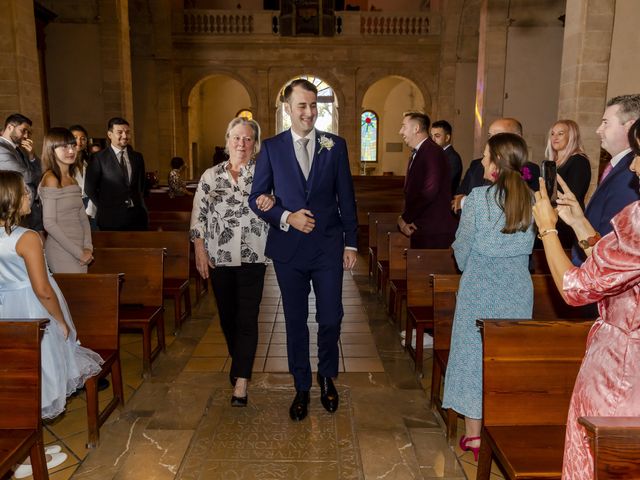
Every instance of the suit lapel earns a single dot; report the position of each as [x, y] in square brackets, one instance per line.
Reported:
[290, 156]
[622, 165]
[116, 165]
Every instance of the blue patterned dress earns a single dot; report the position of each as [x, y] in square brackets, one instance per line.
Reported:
[495, 283]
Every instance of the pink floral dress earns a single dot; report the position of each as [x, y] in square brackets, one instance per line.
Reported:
[608, 383]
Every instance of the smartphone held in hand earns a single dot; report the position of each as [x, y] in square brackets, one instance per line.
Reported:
[549, 174]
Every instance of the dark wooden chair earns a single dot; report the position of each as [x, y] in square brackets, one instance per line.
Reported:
[141, 294]
[615, 444]
[94, 301]
[529, 369]
[20, 404]
[176, 262]
[421, 263]
[398, 246]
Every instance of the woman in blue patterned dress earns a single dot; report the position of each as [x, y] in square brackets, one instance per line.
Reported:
[492, 248]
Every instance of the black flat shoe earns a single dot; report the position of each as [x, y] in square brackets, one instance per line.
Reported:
[328, 394]
[299, 406]
[239, 401]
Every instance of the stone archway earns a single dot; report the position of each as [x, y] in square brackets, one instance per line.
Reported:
[390, 97]
[212, 103]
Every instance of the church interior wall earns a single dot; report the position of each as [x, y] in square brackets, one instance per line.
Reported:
[625, 49]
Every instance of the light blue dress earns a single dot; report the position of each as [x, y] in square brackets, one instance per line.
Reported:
[495, 283]
[65, 364]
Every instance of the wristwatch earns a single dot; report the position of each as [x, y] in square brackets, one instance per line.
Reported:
[589, 241]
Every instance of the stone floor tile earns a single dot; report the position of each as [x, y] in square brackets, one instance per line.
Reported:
[205, 364]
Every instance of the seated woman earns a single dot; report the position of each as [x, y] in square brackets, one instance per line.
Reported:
[608, 383]
[564, 147]
[492, 248]
[177, 185]
[28, 291]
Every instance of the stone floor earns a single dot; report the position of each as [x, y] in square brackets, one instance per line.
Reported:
[178, 424]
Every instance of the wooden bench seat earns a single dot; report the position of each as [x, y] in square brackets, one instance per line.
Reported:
[421, 264]
[398, 246]
[615, 445]
[20, 400]
[373, 219]
[176, 263]
[141, 294]
[529, 369]
[382, 255]
[93, 301]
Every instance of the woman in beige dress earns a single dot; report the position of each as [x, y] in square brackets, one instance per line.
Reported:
[68, 247]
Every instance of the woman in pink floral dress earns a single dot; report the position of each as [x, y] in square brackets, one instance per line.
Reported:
[608, 383]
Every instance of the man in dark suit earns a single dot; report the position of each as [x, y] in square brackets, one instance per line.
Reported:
[17, 154]
[618, 185]
[312, 238]
[115, 182]
[426, 219]
[474, 177]
[441, 132]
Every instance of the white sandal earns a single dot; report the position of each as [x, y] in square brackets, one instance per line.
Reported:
[25, 470]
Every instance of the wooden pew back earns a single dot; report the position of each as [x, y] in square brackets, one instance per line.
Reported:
[176, 243]
[529, 369]
[20, 375]
[374, 219]
[420, 264]
[382, 240]
[398, 246]
[548, 303]
[93, 301]
[142, 268]
[170, 220]
[445, 289]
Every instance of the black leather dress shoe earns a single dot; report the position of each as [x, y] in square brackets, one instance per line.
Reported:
[299, 406]
[328, 394]
[103, 384]
[239, 401]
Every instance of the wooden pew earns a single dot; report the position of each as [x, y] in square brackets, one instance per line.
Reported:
[548, 305]
[141, 295]
[398, 246]
[615, 445]
[93, 301]
[176, 262]
[20, 400]
[421, 263]
[529, 369]
[373, 219]
[382, 255]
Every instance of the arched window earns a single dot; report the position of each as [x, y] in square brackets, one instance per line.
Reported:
[368, 136]
[244, 113]
[327, 107]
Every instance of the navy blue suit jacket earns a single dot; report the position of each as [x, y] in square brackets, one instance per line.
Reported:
[619, 189]
[327, 193]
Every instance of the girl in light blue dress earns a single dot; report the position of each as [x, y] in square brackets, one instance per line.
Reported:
[492, 247]
[27, 290]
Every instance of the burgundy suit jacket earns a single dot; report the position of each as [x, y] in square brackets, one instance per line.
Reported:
[427, 195]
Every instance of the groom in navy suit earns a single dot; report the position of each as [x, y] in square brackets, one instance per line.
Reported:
[312, 237]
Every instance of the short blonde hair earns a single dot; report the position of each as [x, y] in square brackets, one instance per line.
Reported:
[255, 126]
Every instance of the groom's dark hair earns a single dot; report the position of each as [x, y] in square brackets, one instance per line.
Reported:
[298, 82]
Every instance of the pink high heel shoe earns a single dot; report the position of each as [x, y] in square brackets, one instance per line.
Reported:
[463, 446]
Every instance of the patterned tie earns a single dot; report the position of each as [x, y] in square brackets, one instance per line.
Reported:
[304, 156]
[606, 171]
[123, 167]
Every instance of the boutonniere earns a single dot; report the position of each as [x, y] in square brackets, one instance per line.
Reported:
[325, 142]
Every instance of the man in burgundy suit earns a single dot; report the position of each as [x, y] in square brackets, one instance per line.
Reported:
[427, 219]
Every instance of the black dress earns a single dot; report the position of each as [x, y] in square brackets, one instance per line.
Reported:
[576, 172]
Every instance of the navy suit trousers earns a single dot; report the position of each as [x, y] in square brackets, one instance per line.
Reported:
[311, 266]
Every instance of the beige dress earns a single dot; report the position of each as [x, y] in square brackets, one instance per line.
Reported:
[67, 226]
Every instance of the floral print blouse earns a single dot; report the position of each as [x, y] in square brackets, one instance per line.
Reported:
[232, 233]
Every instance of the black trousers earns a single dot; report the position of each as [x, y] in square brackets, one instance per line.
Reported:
[238, 292]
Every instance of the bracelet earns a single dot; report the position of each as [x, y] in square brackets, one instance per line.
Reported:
[547, 232]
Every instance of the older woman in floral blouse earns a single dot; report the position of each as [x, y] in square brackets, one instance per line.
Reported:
[229, 241]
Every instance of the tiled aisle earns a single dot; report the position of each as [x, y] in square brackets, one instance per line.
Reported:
[178, 424]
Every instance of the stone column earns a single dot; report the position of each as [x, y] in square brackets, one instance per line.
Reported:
[20, 89]
[585, 69]
[115, 54]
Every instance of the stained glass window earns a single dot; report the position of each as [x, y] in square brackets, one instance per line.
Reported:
[368, 136]
[327, 107]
